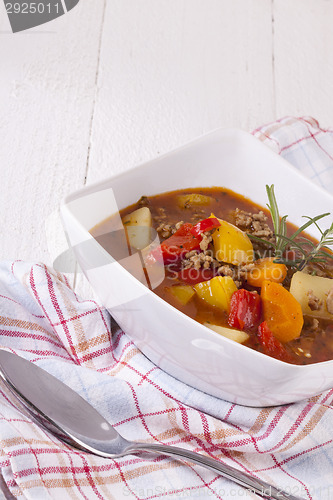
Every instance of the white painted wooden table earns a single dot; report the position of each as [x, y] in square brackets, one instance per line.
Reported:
[116, 82]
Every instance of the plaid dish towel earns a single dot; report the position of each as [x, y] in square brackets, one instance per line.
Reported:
[44, 321]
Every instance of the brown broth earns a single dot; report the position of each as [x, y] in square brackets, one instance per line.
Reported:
[311, 347]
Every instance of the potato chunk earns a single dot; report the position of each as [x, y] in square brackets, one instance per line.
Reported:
[138, 227]
[304, 287]
[231, 334]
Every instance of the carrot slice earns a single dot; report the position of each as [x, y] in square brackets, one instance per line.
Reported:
[281, 311]
[266, 269]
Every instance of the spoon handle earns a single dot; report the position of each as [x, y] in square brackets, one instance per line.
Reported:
[251, 483]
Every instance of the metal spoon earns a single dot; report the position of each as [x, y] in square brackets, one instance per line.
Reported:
[65, 414]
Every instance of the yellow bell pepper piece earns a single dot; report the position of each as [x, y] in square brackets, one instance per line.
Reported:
[217, 291]
[194, 199]
[231, 244]
[183, 293]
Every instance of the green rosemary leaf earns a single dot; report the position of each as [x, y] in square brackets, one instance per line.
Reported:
[283, 225]
[325, 252]
[288, 262]
[318, 259]
[279, 223]
[273, 208]
[305, 241]
[261, 240]
[293, 244]
[312, 220]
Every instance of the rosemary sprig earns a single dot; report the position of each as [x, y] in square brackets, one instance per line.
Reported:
[305, 249]
[279, 223]
[317, 252]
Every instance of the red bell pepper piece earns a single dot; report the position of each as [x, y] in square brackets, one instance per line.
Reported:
[175, 247]
[205, 225]
[271, 345]
[245, 310]
[193, 276]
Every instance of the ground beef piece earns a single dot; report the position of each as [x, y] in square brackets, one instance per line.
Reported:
[314, 302]
[206, 260]
[290, 273]
[241, 274]
[255, 224]
[226, 270]
[260, 226]
[167, 230]
[164, 230]
[198, 215]
[329, 267]
[231, 272]
[314, 326]
[243, 270]
[329, 301]
[237, 273]
[206, 239]
[317, 269]
[198, 260]
[160, 217]
[243, 219]
[143, 202]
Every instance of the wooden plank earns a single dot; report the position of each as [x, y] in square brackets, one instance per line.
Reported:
[173, 69]
[303, 40]
[48, 78]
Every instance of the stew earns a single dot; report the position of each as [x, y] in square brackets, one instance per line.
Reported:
[227, 267]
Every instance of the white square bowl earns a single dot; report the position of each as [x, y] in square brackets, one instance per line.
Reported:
[176, 343]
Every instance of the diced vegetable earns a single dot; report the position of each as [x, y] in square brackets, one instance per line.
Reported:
[205, 225]
[231, 334]
[266, 269]
[175, 247]
[183, 293]
[271, 345]
[187, 200]
[302, 284]
[217, 291]
[245, 310]
[231, 244]
[281, 311]
[194, 276]
[138, 227]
